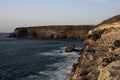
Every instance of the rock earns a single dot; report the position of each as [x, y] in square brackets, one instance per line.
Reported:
[12, 35]
[100, 58]
[110, 72]
[117, 43]
[21, 33]
[70, 48]
[53, 32]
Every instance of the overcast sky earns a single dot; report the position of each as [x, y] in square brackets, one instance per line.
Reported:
[23, 13]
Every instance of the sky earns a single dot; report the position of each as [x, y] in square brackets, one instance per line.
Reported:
[24, 13]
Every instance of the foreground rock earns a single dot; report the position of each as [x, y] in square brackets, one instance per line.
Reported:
[53, 32]
[100, 58]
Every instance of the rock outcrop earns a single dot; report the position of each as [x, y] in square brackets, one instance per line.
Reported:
[53, 32]
[100, 58]
[71, 48]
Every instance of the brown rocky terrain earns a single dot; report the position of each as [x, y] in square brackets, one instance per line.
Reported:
[100, 57]
[53, 32]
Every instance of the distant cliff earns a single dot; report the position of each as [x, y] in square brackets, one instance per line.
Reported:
[52, 32]
[100, 57]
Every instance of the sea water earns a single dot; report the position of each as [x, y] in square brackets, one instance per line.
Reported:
[22, 59]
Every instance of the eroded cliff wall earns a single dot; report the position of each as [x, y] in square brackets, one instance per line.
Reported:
[53, 32]
[100, 58]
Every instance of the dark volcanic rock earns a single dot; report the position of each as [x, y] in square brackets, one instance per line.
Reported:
[53, 32]
[21, 33]
[117, 43]
[100, 58]
[70, 48]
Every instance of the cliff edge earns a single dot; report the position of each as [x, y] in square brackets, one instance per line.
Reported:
[53, 32]
[100, 57]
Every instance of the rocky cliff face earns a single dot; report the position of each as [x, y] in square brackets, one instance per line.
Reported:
[100, 58]
[53, 32]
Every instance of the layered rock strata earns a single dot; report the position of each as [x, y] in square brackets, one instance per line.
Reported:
[53, 32]
[100, 58]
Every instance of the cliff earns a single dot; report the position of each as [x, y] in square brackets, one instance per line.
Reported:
[53, 32]
[100, 57]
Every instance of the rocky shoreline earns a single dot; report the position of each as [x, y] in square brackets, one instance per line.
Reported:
[52, 32]
[100, 57]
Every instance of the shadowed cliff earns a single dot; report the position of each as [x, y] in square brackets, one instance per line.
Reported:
[100, 57]
[53, 32]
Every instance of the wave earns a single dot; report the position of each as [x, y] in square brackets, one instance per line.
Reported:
[62, 68]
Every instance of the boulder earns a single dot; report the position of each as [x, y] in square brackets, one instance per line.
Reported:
[70, 48]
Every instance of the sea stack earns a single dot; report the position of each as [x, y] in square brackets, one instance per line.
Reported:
[100, 58]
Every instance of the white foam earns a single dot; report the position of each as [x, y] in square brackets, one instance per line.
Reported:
[79, 48]
[47, 53]
[62, 48]
[63, 68]
[32, 77]
[57, 53]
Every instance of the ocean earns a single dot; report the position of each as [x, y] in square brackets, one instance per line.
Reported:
[23, 59]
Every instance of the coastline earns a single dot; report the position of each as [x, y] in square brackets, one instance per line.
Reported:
[29, 59]
[52, 32]
[100, 57]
